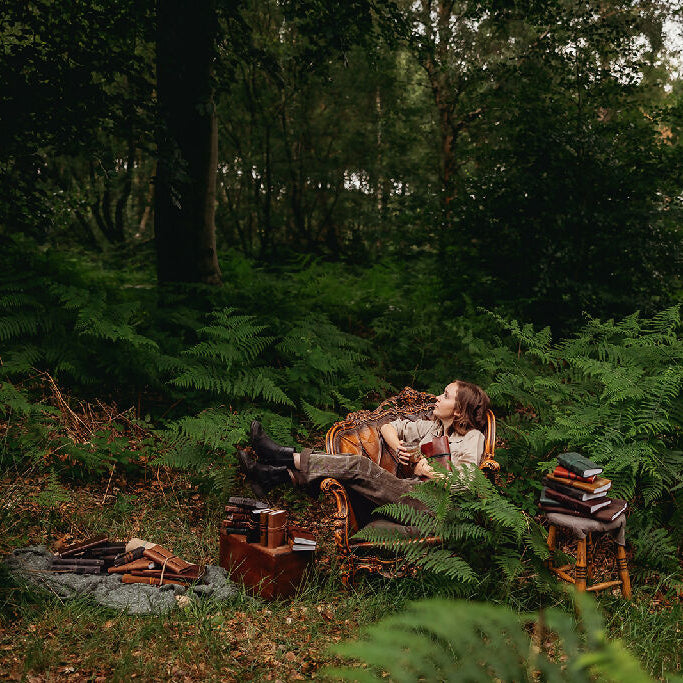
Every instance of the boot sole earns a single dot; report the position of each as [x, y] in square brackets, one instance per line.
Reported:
[256, 487]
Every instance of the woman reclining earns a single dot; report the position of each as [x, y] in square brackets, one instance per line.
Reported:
[459, 413]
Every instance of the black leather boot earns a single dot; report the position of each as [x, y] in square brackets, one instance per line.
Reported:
[268, 450]
[262, 478]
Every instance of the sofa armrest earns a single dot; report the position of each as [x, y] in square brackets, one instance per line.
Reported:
[345, 524]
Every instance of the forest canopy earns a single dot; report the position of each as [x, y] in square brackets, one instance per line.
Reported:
[530, 149]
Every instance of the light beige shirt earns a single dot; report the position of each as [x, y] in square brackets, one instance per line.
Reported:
[466, 450]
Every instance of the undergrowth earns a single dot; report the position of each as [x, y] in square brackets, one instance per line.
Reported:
[301, 346]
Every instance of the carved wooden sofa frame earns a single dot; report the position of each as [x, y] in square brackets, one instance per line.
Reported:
[359, 434]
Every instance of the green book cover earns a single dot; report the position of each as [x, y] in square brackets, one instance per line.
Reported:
[579, 464]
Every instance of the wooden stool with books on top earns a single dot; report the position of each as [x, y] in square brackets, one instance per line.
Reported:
[260, 548]
[575, 498]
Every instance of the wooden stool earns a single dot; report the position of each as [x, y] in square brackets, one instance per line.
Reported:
[584, 566]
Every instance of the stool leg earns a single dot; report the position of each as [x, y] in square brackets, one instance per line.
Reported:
[580, 569]
[552, 542]
[589, 557]
[623, 572]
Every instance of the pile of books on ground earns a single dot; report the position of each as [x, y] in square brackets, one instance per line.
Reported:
[137, 561]
[576, 488]
[265, 526]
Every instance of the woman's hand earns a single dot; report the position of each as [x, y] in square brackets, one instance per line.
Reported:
[403, 453]
[424, 469]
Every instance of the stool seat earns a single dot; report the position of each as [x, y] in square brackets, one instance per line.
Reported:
[582, 529]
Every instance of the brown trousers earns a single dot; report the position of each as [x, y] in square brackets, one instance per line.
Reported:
[357, 473]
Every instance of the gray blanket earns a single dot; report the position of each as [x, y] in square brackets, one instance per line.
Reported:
[29, 565]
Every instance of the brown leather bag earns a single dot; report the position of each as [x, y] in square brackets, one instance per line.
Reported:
[438, 450]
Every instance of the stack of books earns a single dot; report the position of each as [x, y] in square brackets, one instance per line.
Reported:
[264, 526]
[301, 540]
[242, 516]
[576, 488]
[93, 556]
[136, 561]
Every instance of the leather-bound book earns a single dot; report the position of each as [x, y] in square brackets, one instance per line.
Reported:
[597, 486]
[277, 525]
[230, 529]
[194, 573]
[142, 563]
[263, 526]
[239, 514]
[166, 558]
[150, 580]
[612, 511]
[560, 471]
[588, 507]
[79, 547]
[137, 542]
[300, 539]
[130, 556]
[77, 561]
[569, 490]
[74, 569]
[579, 464]
[107, 550]
[560, 510]
[249, 503]
[170, 576]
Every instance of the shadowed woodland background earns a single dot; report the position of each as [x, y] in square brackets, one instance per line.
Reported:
[217, 211]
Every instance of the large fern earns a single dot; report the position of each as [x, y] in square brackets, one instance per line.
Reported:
[440, 640]
[612, 391]
[479, 529]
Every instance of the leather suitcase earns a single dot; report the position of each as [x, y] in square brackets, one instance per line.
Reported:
[268, 572]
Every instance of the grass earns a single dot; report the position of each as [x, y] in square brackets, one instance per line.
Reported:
[43, 638]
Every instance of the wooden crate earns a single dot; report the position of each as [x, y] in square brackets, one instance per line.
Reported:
[268, 572]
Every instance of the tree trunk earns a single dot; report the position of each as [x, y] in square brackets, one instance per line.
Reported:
[187, 143]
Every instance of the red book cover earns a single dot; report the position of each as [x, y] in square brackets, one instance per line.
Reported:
[567, 474]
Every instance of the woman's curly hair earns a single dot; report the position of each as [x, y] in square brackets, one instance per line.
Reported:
[471, 404]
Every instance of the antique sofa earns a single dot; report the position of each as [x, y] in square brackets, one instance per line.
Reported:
[359, 434]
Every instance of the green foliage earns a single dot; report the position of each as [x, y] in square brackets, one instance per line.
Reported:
[460, 640]
[99, 331]
[53, 493]
[483, 535]
[611, 391]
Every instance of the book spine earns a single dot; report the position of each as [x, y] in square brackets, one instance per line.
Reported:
[112, 549]
[277, 523]
[567, 501]
[84, 545]
[142, 563]
[75, 569]
[149, 580]
[567, 490]
[568, 474]
[557, 508]
[125, 558]
[77, 562]
[263, 521]
[239, 530]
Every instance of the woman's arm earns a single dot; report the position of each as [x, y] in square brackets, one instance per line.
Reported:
[388, 431]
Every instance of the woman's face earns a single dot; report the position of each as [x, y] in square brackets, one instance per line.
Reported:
[445, 404]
